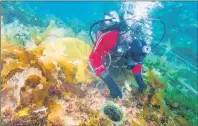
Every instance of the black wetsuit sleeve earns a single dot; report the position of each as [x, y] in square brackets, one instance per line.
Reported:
[142, 86]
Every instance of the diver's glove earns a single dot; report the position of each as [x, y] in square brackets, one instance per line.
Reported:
[140, 81]
[113, 87]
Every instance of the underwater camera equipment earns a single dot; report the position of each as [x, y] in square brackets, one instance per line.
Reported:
[145, 49]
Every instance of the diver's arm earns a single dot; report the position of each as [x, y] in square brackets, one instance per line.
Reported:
[102, 47]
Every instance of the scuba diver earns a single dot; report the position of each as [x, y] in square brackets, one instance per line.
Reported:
[119, 37]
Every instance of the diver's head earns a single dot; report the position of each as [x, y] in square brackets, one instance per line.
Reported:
[111, 15]
[128, 18]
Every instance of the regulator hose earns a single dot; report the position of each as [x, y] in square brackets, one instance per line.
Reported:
[100, 21]
[151, 19]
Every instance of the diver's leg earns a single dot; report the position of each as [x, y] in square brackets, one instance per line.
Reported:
[113, 87]
[102, 47]
[136, 70]
[100, 70]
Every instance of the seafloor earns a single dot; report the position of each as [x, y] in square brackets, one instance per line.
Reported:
[47, 82]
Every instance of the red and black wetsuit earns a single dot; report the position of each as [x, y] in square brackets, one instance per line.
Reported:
[106, 40]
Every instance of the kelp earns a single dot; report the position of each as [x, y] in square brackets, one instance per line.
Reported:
[142, 121]
[173, 69]
[56, 114]
[31, 76]
[156, 83]
[13, 51]
[32, 81]
[9, 101]
[10, 68]
[58, 51]
[159, 85]
[175, 96]
[157, 98]
[182, 121]
[38, 38]
[83, 35]
[23, 112]
[164, 109]
[181, 99]
[133, 123]
[40, 93]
